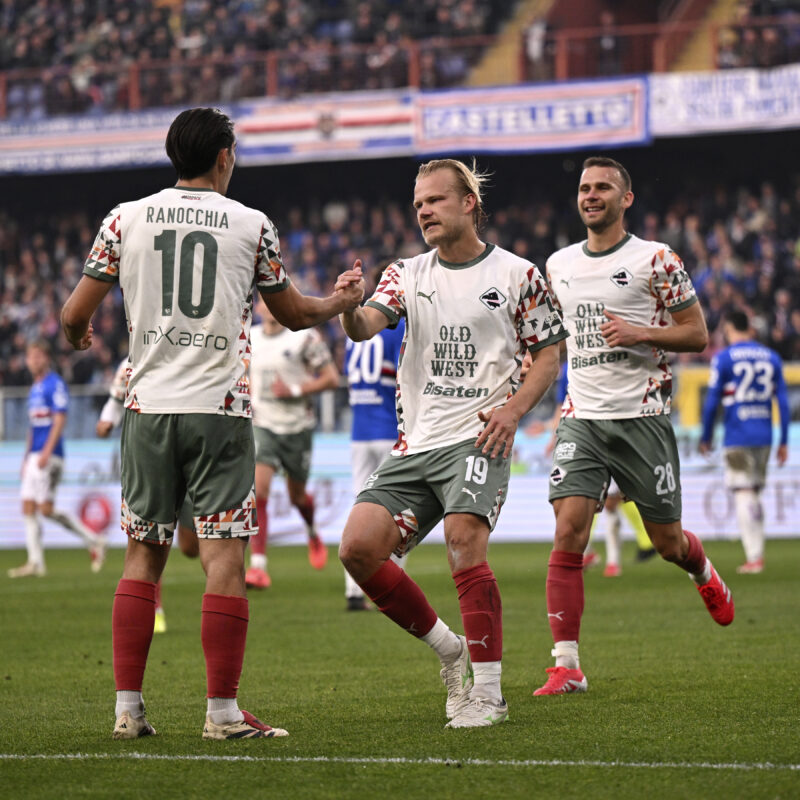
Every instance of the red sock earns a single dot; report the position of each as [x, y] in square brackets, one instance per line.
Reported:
[397, 596]
[158, 594]
[565, 595]
[258, 543]
[481, 612]
[306, 509]
[223, 633]
[696, 557]
[132, 618]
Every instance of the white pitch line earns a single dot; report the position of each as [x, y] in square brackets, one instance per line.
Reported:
[447, 762]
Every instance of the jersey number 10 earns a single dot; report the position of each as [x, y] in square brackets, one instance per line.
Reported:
[166, 242]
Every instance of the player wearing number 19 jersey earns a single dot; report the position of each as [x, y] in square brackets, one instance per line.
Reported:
[626, 303]
[188, 261]
[745, 377]
[472, 311]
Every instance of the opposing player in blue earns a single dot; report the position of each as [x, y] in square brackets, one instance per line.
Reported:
[371, 368]
[745, 377]
[48, 402]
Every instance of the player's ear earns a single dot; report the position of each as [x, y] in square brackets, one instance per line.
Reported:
[627, 199]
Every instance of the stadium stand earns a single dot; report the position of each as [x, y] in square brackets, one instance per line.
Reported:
[763, 33]
[96, 57]
[741, 245]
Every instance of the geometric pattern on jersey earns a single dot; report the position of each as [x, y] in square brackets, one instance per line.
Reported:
[642, 282]
[294, 357]
[188, 261]
[468, 327]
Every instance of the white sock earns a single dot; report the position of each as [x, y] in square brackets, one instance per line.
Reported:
[33, 540]
[443, 641]
[224, 710]
[131, 702]
[258, 561]
[612, 538]
[71, 524]
[566, 655]
[702, 578]
[486, 680]
[351, 588]
[750, 516]
[400, 560]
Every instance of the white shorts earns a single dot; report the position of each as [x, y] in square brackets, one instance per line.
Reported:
[746, 467]
[366, 457]
[39, 485]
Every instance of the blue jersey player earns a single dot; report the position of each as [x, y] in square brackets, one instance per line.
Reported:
[744, 378]
[48, 402]
[371, 369]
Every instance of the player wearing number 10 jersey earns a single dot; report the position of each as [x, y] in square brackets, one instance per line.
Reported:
[626, 302]
[745, 377]
[188, 261]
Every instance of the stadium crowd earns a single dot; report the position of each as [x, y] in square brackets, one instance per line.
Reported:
[194, 52]
[763, 33]
[741, 246]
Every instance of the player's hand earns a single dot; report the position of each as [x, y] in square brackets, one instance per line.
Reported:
[103, 428]
[551, 445]
[280, 388]
[783, 454]
[85, 342]
[527, 363]
[619, 333]
[351, 285]
[704, 448]
[497, 438]
[41, 462]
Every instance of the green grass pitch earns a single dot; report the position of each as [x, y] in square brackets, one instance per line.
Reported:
[677, 706]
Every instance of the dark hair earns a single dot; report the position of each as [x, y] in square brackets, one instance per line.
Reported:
[739, 320]
[195, 138]
[603, 161]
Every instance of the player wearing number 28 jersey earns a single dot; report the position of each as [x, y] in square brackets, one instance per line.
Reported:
[188, 261]
[626, 303]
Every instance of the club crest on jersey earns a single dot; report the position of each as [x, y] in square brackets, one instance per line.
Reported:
[621, 278]
[557, 475]
[493, 298]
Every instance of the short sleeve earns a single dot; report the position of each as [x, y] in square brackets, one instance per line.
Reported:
[671, 282]
[270, 273]
[389, 296]
[316, 353]
[59, 401]
[539, 321]
[103, 260]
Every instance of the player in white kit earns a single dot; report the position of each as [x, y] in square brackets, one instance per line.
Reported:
[626, 303]
[188, 261]
[287, 369]
[472, 311]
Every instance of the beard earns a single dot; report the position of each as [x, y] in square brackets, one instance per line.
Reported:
[602, 223]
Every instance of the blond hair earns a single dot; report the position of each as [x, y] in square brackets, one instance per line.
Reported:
[468, 181]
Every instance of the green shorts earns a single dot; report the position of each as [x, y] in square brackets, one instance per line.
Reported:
[290, 452]
[207, 458]
[640, 454]
[420, 489]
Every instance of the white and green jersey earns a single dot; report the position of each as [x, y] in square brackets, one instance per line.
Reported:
[292, 356]
[642, 282]
[187, 261]
[468, 327]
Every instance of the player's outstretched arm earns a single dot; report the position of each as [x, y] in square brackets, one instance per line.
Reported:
[298, 311]
[497, 438]
[78, 310]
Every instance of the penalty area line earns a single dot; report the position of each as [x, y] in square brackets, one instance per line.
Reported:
[383, 761]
